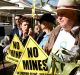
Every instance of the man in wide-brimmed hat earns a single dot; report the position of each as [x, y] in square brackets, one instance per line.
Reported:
[68, 30]
[66, 36]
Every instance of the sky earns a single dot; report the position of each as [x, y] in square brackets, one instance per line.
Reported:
[52, 2]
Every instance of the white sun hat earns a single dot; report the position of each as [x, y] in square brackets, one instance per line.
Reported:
[68, 4]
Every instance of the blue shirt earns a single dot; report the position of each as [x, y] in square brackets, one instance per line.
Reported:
[44, 40]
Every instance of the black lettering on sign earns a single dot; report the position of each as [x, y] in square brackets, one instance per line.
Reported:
[33, 73]
[35, 65]
[26, 64]
[32, 52]
[30, 64]
[40, 64]
[16, 45]
[35, 51]
[45, 67]
[26, 73]
[29, 52]
[22, 73]
[15, 53]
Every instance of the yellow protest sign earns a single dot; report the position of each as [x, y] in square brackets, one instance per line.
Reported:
[33, 61]
[15, 50]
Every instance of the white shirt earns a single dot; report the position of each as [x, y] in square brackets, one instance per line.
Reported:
[64, 40]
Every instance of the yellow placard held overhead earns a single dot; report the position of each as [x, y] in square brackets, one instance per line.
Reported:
[33, 61]
[15, 50]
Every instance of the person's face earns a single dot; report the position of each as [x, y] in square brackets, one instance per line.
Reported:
[66, 18]
[42, 26]
[24, 27]
[17, 19]
[36, 29]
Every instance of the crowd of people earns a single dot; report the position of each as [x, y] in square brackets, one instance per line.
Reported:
[52, 39]
[40, 33]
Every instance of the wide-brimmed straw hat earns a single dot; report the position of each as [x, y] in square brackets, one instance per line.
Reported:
[68, 4]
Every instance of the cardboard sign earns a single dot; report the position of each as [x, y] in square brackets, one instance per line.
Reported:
[15, 50]
[33, 61]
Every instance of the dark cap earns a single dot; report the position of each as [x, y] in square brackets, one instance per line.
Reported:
[47, 17]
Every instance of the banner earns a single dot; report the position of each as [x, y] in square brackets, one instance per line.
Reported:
[15, 50]
[33, 61]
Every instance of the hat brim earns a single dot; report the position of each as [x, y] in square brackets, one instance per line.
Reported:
[64, 8]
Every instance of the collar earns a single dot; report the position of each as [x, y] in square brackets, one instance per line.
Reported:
[74, 30]
[47, 34]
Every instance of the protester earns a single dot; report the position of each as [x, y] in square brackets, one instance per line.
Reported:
[24, 24]
[66, 36]
[7, 39]
[16, 29]
[37, 31]
[47, 21]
